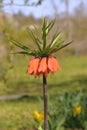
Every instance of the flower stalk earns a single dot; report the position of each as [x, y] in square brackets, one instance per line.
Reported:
[45, 97]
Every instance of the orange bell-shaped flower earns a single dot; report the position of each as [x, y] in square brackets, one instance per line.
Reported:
[44, 65]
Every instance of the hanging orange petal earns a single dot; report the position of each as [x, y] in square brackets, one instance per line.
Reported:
[53, 64]
[36, 65]
[33, 66]
[30, 67]
[50, 65]
[43, 65]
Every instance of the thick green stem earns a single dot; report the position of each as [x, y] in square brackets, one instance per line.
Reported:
[45, 103]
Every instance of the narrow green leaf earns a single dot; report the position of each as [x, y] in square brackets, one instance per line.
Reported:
[39, 40]
[52, 50]
[60, 123]
[37, 37]
[54, 39]
[63, 46]
[57, 42]
[34, 38]
[49, 27]
[44, 33]
[25, 53]
[20, 45]
[57, 48]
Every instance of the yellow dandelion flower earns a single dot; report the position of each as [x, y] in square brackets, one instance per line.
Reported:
[77, 110]
[39, 116]
[36, 115]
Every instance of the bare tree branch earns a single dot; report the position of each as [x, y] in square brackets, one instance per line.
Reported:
[26, 3]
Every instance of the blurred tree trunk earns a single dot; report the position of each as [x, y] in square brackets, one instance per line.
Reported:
[55, 8]
[68, 24]
[80, 11]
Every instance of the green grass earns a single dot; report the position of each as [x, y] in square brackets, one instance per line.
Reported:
[17, 114]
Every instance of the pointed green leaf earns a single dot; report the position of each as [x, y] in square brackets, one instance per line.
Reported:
[49, 27]
[57, 42]
[20, 45]
[24, 52]
[63, 46]
[54, 39]
[44, 33]
[37, 37]
[39, 40]
[57, 48]
[34, 38]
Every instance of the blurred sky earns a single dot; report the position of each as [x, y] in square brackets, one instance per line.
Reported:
[45, 9]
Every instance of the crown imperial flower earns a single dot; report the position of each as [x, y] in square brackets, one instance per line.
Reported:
[38, 66]
[42, 62]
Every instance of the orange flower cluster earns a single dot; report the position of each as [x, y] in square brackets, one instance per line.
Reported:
[38, 66]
